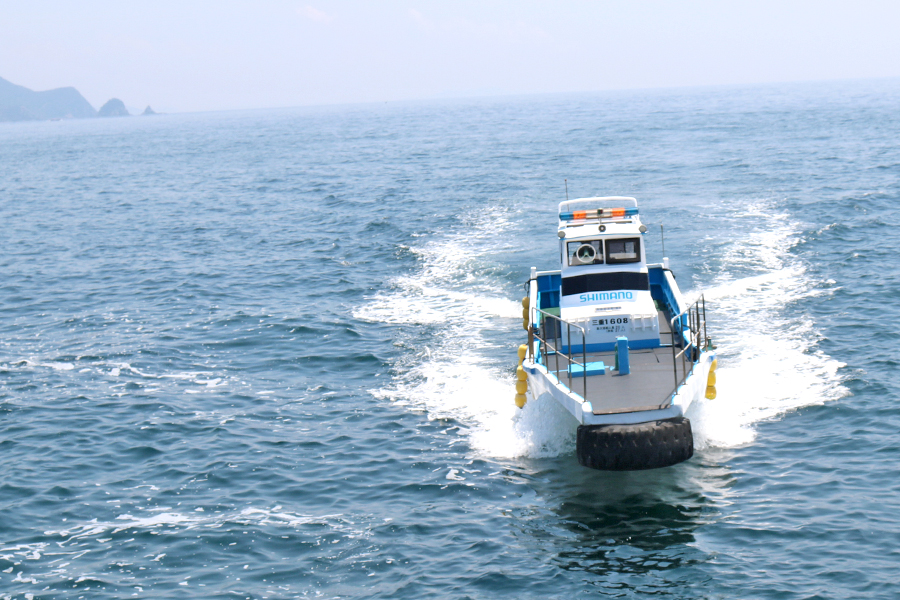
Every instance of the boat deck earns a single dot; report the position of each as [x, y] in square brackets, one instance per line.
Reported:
[649, 386]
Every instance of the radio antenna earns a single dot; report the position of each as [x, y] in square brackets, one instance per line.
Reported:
[567, 189]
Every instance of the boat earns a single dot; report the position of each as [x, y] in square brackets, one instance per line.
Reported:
[612, 339]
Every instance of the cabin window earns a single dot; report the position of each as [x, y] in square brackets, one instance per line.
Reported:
[626, 250]
[585, 252]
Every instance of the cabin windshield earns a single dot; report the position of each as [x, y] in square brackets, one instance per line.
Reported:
[585, 252]
[625, 250]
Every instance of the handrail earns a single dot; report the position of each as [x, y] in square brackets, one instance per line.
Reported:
[687, 328]
[556, 346]
[694, 337]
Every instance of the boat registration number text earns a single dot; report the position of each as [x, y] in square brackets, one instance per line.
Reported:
[610, 324]
[610, 321]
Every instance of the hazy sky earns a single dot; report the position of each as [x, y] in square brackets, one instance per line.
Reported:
[189, 55]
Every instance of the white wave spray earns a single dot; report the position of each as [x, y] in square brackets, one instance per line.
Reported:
[463, 374]
[768, 364]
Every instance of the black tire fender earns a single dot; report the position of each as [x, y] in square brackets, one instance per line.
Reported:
[635, 447]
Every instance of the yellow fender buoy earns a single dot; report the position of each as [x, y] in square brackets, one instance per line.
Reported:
[711, 380]
[521, 375]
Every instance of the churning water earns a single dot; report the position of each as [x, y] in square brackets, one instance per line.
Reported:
[271, 354]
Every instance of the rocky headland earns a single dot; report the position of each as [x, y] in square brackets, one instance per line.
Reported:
[18, 103]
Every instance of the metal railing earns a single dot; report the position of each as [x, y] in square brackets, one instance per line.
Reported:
[688, 329]
[550, 335]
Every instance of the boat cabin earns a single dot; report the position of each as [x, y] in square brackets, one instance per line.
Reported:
[605, 281]
[606, 305]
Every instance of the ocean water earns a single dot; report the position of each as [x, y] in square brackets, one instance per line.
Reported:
[271, 354]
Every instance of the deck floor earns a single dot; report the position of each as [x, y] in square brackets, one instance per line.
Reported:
[649, 385]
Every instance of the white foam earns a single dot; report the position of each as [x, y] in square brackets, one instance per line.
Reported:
[463, 375]
[767, 361]
[451, 385]
[768, 364]
[282, 518]
[445, 288]
[166, 518]
[80, 539]
[56, 365]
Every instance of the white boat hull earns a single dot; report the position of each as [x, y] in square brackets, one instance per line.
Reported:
[543, 383]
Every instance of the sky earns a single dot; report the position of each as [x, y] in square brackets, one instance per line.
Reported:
[200, 55]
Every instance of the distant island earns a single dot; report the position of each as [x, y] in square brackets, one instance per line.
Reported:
[113, 108]
[18, 103]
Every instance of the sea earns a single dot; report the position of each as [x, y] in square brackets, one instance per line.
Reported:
[270, 354]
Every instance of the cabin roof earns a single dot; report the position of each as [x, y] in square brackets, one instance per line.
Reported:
[597, 202]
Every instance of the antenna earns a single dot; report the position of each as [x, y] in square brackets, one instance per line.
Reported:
[567, 189]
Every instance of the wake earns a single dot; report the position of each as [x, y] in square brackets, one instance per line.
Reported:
[768, 364]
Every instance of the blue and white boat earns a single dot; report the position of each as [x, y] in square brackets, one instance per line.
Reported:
[611, 338]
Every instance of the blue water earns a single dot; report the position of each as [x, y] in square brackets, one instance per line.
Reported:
[270, 354]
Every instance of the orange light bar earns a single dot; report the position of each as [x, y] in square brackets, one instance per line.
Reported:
[600, 213]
